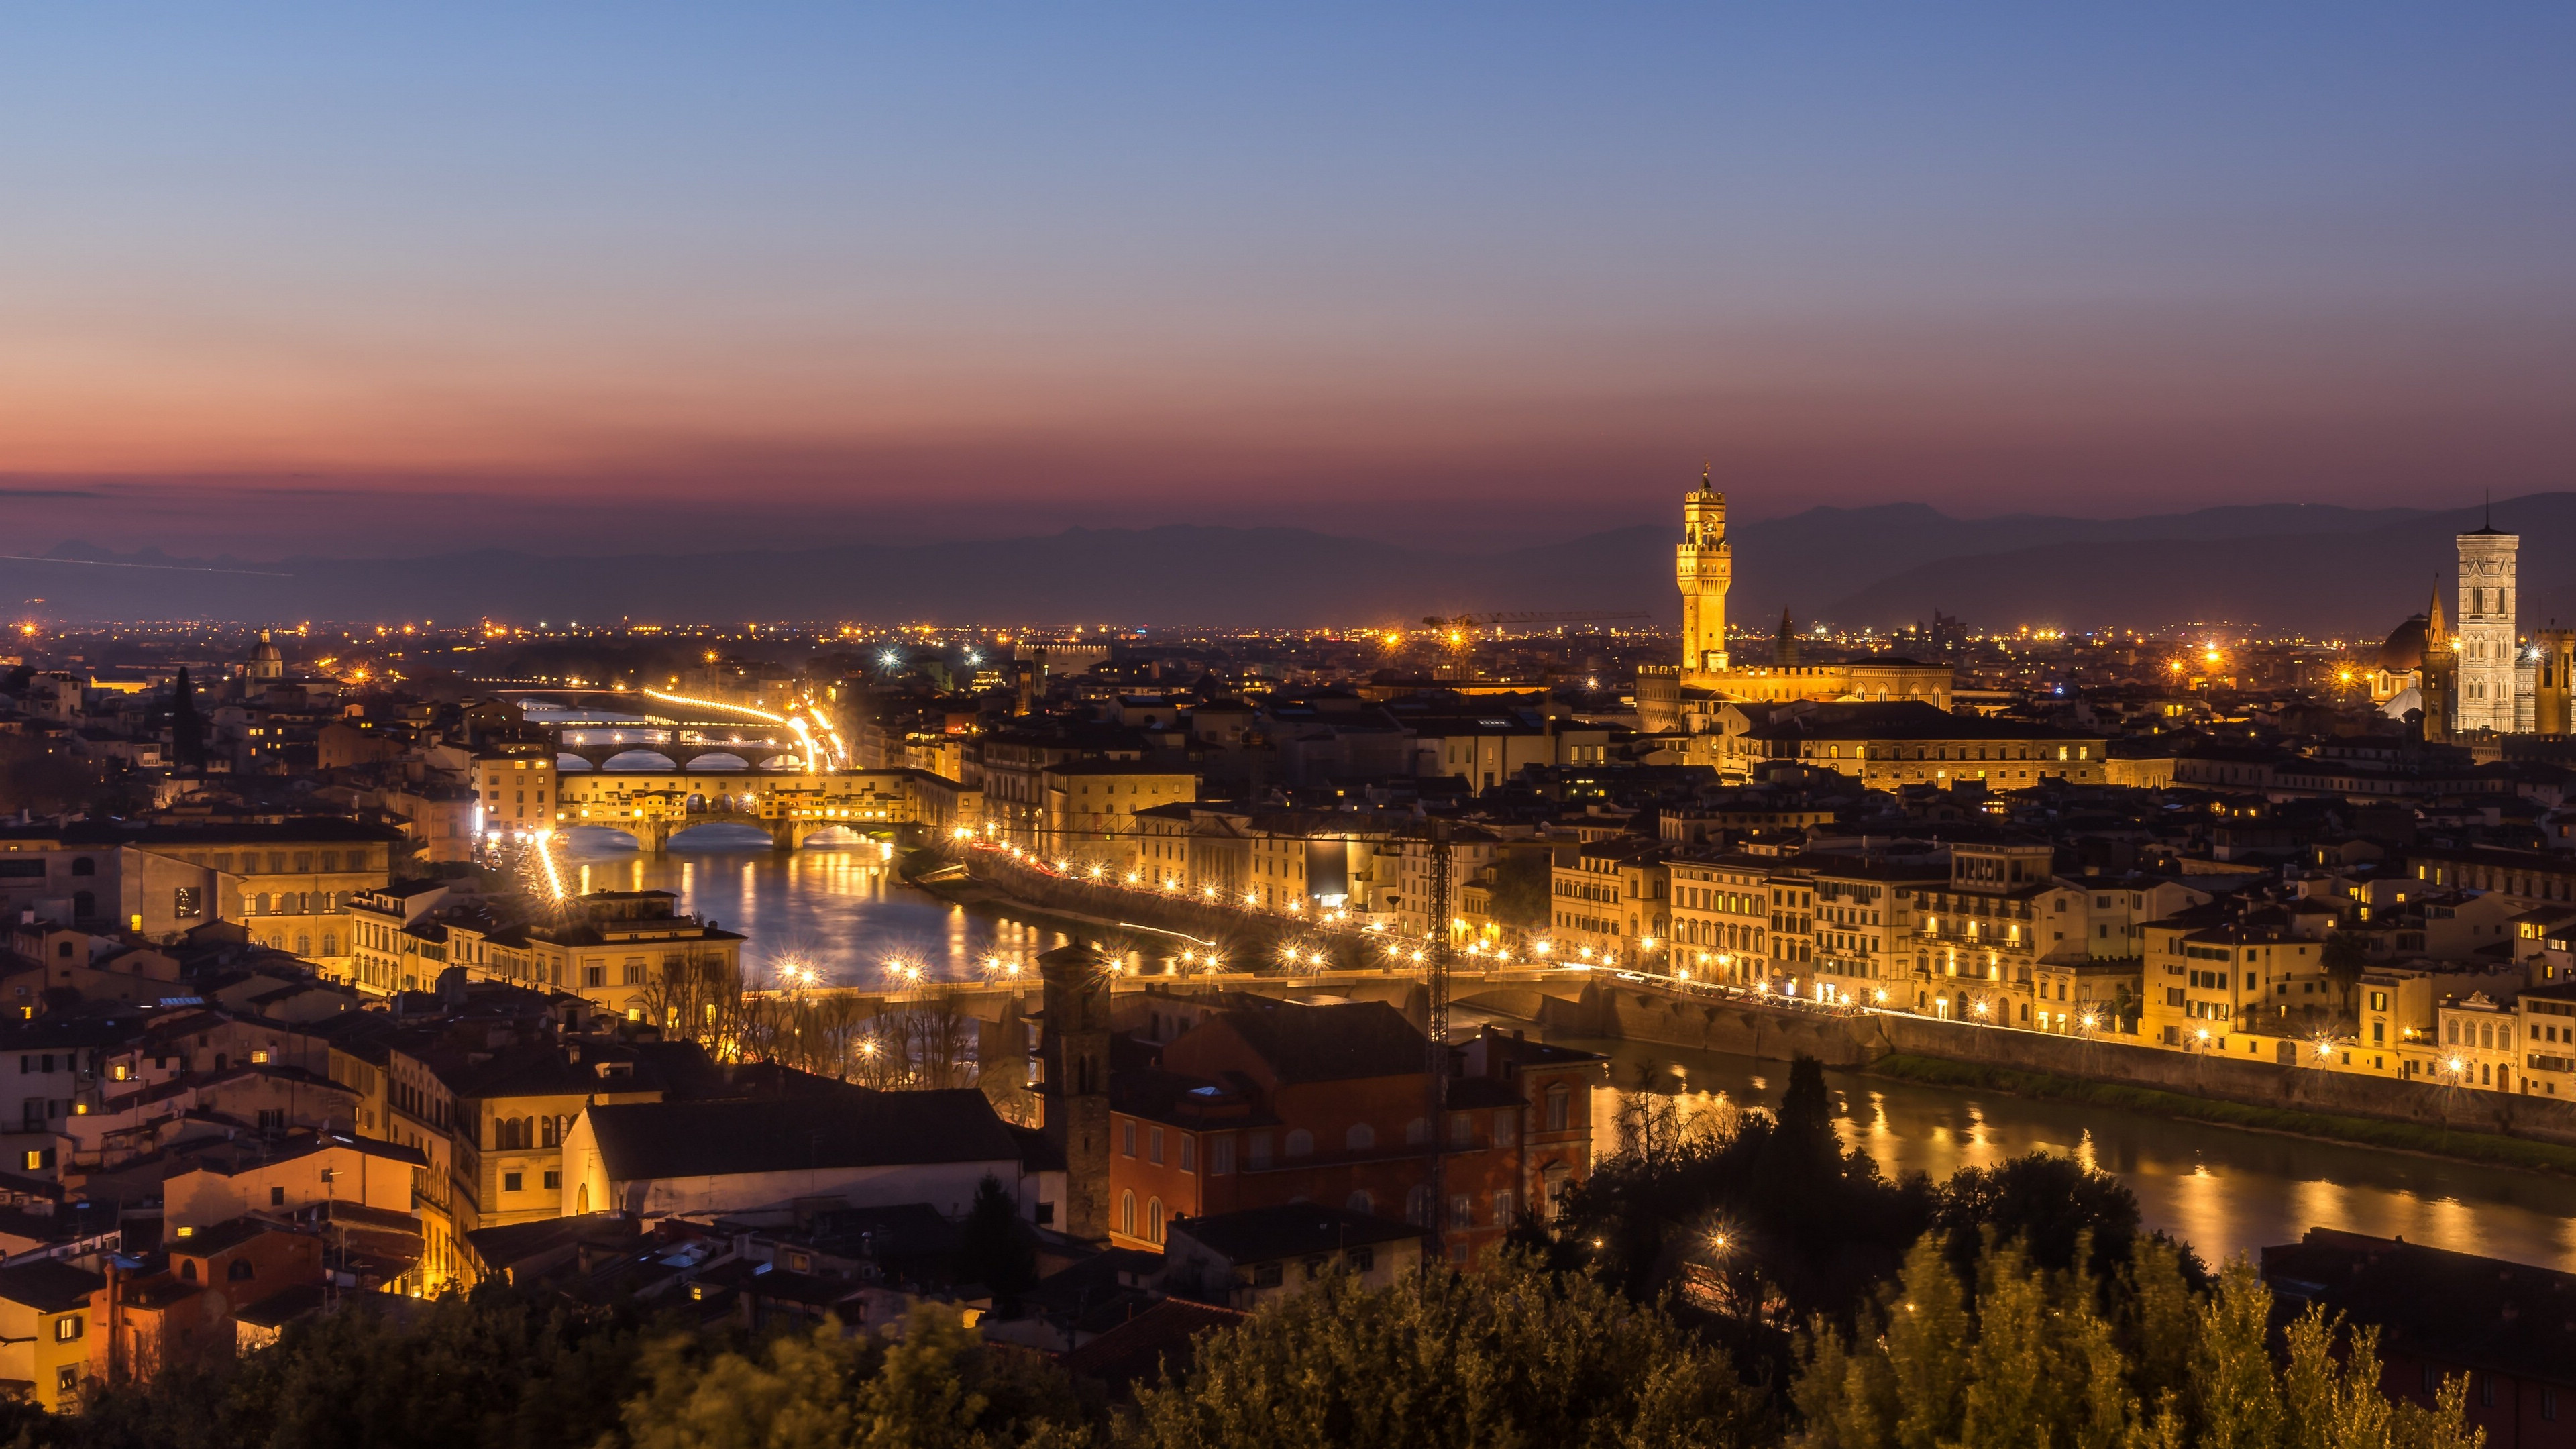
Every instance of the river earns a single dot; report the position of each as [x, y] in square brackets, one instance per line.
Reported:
[840, 912]
[2221, 1189]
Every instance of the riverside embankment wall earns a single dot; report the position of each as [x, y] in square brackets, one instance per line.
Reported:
[1628, 1013]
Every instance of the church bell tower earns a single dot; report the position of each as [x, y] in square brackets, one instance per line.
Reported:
[1705, 566]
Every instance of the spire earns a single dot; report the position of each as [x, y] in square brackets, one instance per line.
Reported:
[2437, 628]
[1705, 468]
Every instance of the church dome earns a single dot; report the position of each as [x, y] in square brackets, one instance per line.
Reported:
[2405, 647]
[266, 660]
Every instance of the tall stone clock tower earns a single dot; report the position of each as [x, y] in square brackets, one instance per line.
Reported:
[1705, 566]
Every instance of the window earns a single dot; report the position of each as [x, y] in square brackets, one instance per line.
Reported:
[1154, 1221]
[1301, 1142]
[1462, 1130]
[277, 1197]
[1127, 1137]
[1361, 1259]
[1268, 1275]
[554, 1182]
[510, 1181]
[1504, 1203]
[67, 1379]
[1360, 1138]
[1154, 1146]
[1127, 1213]
[1189, 1153]
[1220, 1156]
[240, 1271]
[1360, 1202]
[1462, 1211]
[67, 1328]
[1257, 1151]
[1559, 1105]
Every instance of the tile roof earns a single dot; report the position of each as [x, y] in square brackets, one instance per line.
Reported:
[1331, 1043]
[1258, 1235]
[860, 1129]
[49, 1286]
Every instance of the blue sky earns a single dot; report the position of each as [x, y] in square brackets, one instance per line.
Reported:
[1500, 270]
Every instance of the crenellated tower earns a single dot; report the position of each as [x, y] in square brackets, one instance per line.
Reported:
[1705, 567]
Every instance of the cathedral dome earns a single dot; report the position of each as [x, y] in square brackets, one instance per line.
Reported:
[266, 660]
[2405, 647]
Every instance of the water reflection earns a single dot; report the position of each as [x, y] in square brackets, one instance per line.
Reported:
[2224, 1190]
[841, 912]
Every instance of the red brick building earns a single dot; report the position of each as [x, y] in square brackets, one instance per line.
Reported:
[184, 1312]
[1267, 1103]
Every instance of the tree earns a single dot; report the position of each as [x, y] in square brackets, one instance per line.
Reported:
[991, 1250]
[1506, 1354]
[1522, 882]
[1764, 1217]
[2036, 1359]
[187, 727]
[2344, 959]
[937, 1387]
[2049, 1203]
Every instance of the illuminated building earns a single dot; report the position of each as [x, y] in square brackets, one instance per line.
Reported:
[1687, 697]
[514, 793]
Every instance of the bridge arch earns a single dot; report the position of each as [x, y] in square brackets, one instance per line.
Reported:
[639, 760]
[720, 835]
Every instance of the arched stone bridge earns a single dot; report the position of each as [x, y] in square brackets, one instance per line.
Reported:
[654, 805]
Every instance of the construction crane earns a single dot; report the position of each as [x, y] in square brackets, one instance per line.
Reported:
[1489, 621]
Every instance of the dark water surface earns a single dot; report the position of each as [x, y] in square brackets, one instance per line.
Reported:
[2222, 1189]
[842, 912]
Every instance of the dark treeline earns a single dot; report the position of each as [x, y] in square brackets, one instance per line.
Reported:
[1735, 1280]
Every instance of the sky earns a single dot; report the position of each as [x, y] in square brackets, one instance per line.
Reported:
[369, 279]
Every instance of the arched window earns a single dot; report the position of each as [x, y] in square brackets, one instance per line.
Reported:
[1417, 1206]
[1360, 1138]
[1417, 1132]
[330, 943]
[1300, 1142]
[303, 945]
[1361, 1202]
[1127, 1213]
[83, 865]
[1154, 1221]
[239, 1271]
[188, 1269]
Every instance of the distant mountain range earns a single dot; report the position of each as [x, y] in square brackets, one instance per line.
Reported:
[2311, 568]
